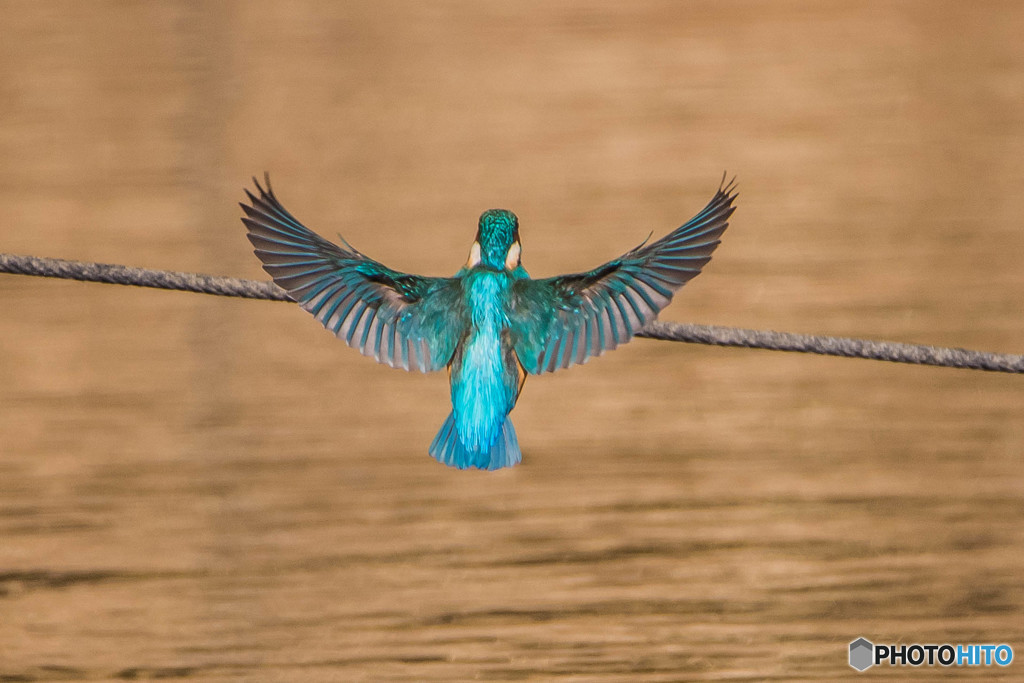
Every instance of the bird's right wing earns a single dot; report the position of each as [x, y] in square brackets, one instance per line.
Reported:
[405, 321]
[559, 321]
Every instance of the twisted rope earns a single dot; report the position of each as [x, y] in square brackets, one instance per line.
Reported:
[846, 347]
[679, 332]
[113, 274]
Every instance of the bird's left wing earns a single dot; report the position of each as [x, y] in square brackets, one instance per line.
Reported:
[558, 321]
[405, 321]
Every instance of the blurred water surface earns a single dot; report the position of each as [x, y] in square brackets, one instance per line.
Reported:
[212, 489]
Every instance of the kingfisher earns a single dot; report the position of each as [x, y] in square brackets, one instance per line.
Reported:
[490, 325]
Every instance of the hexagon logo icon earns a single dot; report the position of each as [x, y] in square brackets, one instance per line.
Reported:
[861, 654]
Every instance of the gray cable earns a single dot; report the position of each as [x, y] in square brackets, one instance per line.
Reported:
[679, 332]
[140, 277]
[847, 347]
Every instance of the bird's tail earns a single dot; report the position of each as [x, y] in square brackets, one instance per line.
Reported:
[448, 449]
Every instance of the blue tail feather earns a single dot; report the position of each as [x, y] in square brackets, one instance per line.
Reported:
[448, 449]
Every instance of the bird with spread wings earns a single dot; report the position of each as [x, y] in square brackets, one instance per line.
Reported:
[490, 324]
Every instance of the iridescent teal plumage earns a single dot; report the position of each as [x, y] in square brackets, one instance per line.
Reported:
[489, 324]
[485, 378]
[497, 232]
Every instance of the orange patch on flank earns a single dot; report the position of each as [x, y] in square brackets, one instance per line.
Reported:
[522, 373]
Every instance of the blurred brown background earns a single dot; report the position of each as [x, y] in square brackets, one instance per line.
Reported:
[216, 489]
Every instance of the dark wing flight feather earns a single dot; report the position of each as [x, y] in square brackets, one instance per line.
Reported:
[405, 321]
[568, 319]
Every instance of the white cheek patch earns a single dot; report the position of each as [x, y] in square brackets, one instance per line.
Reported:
[512, 257]
[474, 255]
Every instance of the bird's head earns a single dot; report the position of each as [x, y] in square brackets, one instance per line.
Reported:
[497, 241]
